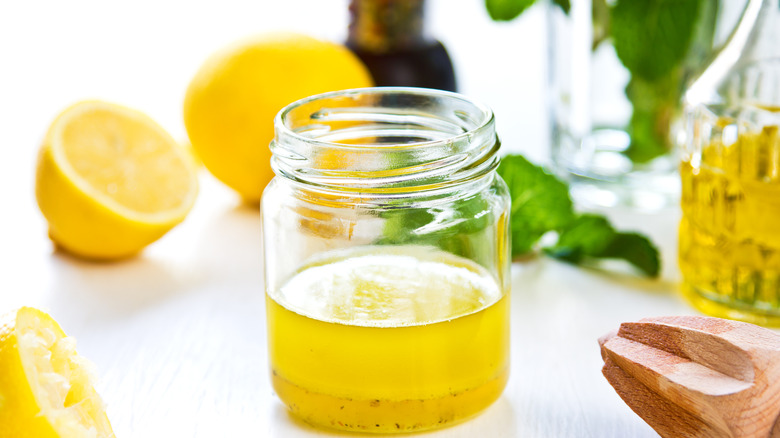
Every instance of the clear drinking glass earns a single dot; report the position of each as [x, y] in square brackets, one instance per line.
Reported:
[386, 260]
[617, 73]
[729, 243]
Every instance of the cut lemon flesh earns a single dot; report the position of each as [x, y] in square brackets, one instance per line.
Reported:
[110, 180]
[121, 156]
[46, 388]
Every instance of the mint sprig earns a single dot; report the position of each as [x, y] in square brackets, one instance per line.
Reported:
[590, 238]
[662, 43]
[541, 204]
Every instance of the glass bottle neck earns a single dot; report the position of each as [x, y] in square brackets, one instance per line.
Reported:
[382, 26]
[752, 44]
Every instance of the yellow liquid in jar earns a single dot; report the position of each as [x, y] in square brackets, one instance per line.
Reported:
[389, 340]
[729, 241]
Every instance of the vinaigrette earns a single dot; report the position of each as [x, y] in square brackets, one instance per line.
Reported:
[388, 339]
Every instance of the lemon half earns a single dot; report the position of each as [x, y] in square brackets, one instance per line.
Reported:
[46, 388]
[111, 181]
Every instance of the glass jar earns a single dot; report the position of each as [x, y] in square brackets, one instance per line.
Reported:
[386, 260]
[617, 73]
[729, 242]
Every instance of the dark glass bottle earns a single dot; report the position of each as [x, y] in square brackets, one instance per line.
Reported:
[388, 36]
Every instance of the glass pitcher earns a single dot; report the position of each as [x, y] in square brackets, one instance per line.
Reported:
[729, 241]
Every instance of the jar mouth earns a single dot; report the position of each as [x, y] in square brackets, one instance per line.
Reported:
[384, 139]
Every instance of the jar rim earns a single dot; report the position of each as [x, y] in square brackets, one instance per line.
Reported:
[488, 117]
[377, 138]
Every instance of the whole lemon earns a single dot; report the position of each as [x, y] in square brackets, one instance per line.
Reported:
[231, 102]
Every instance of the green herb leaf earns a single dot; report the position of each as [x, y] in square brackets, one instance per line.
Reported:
[655, 107]
[540, 202]
[565, 5]
[401, 225]
[601, 25]
[506, 10]
[458, 230]
[635, 249]
[586, 235]
[662, 43]
[652, 37]
[590, 238]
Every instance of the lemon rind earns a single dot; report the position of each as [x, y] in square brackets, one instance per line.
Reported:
[53, 141]
[60, 420]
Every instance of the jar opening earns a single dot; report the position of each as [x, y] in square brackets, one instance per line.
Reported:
[375, 139]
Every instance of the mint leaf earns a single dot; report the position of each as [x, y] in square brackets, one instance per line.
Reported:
[540, 202]
[590, 238]
[401, 225]
[662, 43]
[652, 37]
[586, 235]
[655, 107]
[601, 26]
[506, 10]
[459, 230]
[565, 5]
[635, 249]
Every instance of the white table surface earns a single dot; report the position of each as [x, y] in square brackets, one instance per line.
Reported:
[178, 333]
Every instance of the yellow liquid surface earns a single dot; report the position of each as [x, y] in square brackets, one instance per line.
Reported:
[389, 340]
[729, 244]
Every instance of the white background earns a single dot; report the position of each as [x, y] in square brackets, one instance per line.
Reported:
[178, 334]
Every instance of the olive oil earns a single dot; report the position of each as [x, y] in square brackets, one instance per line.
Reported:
[388, 339]
[729, 243]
